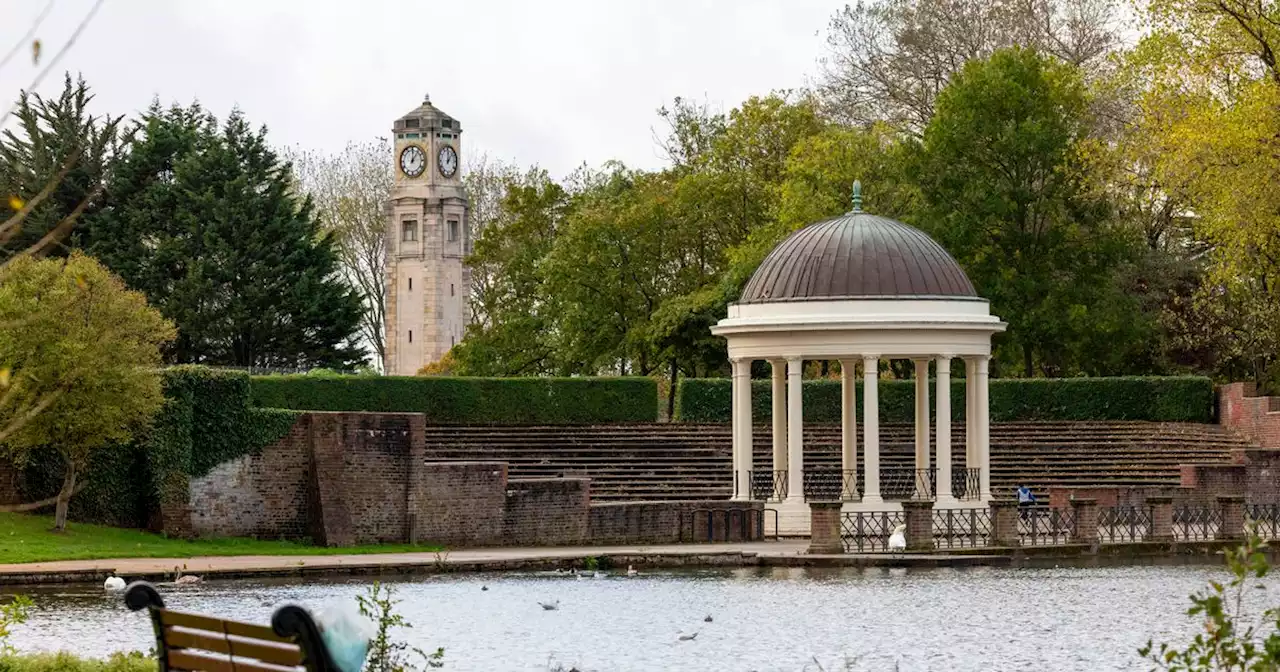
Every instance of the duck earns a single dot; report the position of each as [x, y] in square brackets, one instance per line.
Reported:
[686, 638]
[708, 619]
[549, 606]
[898, 540]
[186, 579]
[113, 583]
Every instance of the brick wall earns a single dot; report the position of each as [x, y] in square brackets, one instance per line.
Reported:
[263, 495]
[1256, 478]
[621, 523]
[547, 512]
[375, 475]
[460, 503]
[1254, 417]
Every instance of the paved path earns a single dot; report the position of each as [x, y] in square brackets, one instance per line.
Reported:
[270, 563]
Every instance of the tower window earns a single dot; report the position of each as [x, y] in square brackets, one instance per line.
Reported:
[409, 231]
[453, 230]
[446, 123]
[410, 335]
[451, 289]
[411, 123]
[411, 284]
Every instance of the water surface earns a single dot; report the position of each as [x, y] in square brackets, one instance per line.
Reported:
[1089, 619]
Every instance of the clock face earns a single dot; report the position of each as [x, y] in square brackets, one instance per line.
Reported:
[413, 160]
[448, 161]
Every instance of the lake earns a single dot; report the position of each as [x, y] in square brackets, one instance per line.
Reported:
[763, 619]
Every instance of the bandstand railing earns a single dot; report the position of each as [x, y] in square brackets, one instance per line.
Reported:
[966, 484]
[768, 486]
[962, 528]
[1265, 519]
[831, 485]
[1196, 523]
[1043, 526]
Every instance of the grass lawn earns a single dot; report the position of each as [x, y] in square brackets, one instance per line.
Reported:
[25, 538]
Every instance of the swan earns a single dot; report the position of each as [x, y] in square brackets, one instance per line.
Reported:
[552, 606]
[898, 540]
[686, 638]
[113, 583]
[631, 571]
[597, 575]
[187, 579]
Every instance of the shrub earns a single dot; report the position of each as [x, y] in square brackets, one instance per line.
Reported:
[1169, 399]
[445, 400]
[134, 661]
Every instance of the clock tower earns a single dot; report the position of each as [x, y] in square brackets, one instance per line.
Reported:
[427, 238]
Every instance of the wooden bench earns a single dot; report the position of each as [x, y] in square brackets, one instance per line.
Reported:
[192, 642]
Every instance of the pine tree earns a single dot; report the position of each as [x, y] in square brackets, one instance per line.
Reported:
[204, 220]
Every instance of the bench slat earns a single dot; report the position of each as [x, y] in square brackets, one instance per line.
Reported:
[198, 622]
[241, 647]
[186, 659]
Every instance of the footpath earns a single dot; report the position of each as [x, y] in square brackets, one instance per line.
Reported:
[755, 554]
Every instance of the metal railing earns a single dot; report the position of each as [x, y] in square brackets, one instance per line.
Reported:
[1196, 523]
[768, 486]
[966, 484]
[868, 531]
[1265, 519]
[898, 484]
[831, 485]
[1118, 524]
[721, 523]
[962, 528]
[1043, 526]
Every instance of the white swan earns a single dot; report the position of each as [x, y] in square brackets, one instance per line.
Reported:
[686, 638]
[631, 571]
[898, 540]
[187, 579]
[113, 583]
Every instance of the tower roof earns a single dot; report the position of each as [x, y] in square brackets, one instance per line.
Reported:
[426, 116]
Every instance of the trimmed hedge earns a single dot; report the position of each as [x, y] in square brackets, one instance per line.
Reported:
[495, 401]
[206, 420]
[1170, 399]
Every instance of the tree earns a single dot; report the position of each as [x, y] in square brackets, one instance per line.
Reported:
[53, 166]
[889, 60]
[350, 191]
[485, 181]
[512, 332]
[205, 221]
[1005, 190]
[88, 344]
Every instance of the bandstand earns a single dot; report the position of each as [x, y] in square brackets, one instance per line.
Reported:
[860, 288]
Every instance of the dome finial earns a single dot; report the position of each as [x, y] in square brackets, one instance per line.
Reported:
[857, 196]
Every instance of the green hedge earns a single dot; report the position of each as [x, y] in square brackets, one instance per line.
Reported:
[1174, 399]
[207, 419]
[498, 401]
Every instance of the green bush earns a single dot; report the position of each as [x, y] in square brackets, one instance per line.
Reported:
[207, 419]
[498, 401]
[133, 661]
[1171, 399]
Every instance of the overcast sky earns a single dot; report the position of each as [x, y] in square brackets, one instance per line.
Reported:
[555, 82]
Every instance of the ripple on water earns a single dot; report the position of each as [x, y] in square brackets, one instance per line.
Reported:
[764, 619]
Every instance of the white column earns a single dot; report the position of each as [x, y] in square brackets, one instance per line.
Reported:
[922, 423]
[982, 413]
[943, 374]
[779, 414]
[871, 428]
[970, 442]
[795, 430]
[848, 424]
[742, 427]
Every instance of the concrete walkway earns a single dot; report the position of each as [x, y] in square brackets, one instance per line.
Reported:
[776, 553]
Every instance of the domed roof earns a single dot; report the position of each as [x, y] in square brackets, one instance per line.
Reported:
[426, 116]
[857, 255]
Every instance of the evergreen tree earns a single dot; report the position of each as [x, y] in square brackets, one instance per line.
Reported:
[52, 163]
[203, 219]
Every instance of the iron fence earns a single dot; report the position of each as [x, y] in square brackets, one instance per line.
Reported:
[966, 483]
[830, 485]
[722, 523]
[768, 486]
[961, 528]
[868, 531]
[898, 484]
[1043, 526]
[1196, 523]
[1265, 519]
[1118, 524]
